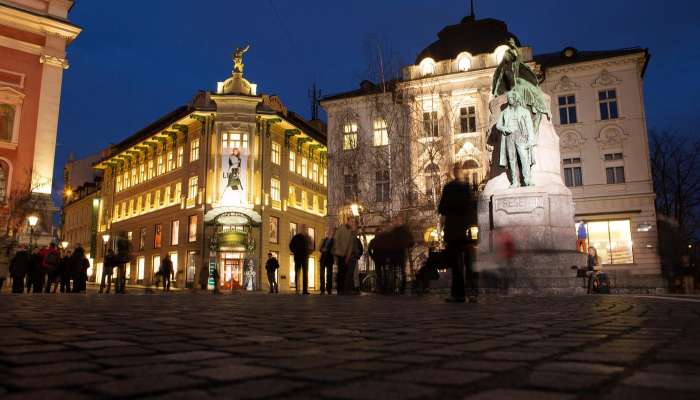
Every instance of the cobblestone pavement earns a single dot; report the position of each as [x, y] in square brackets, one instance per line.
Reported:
[241, 346]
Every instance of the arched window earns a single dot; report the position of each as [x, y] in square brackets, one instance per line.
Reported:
[464, 61]
[427, 66]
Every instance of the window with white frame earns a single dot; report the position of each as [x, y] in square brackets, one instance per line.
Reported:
[292, 161]
[234, 140]
[171, 162]
[180, 156]
[567, 109]
[314, 172]
[381, 133]
[382, 186]
[304, 167]
[430, 124]
[275, 189]
[467, 119]
[607, 103]
[350, 136]
[193, 187]
[194, 150]
[161, 165]
[275, 153]
[614, 169]
[350, 188]
[573, 175]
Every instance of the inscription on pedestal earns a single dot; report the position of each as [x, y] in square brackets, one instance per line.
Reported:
[519, 205]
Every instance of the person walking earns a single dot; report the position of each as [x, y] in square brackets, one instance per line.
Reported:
[64, 274]
[299, 246]
[399, 243]
[352, 265]
[377, 252]
[122, 258]
[166, 272]
[50, 259]
[327, 262]
[271, 266]
[19, 267]
[457, 209]
[108, 271]
[36, 276]
[204, 277]
[342, 249]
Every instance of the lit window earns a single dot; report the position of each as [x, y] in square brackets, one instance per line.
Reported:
[292, 161]
[381, 133]
[151, 169]
[192, 229]
[382, 186]
[314, 172]
[234, 140]
[180, 156]
[157, 232]
[607, 101]
[178, 191]
[612, 240]
[427, 66]
[171, 162]
[116, 211]
[316, 205]
[161, 165]
[430, 124]
[175, 233]
[194, 150]
[147, 203]
[131, 207]
[173, 259]
[275, 153]
[155, 265]
[572, 172]
[166, 195]
[292, 229]
[350, 136]
[467, 119]
[142, 172]
[140, 268]
[615, 175]
[567, 110]
[134, 176]
[304, 167]
[193, 187]
[464, 62]
[126, 180]
[325, 177]
[303, 199]
[275, 189]
[138, 205]
[292, 195]
[156, 199]
[119, 183]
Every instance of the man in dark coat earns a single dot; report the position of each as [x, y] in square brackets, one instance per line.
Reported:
[327, 263]
[271, 266]
[20, 265]
[78, 266]
[65, 274]
[458, 209]
[108, 270]
[35, 275]
[166, 272]
[399, 243]
[299, 246]
[377, 253]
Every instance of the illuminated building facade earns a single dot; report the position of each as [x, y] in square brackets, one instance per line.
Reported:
[33, 40]
[437, 115]
[217, 184]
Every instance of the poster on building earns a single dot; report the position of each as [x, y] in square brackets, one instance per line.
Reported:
[234, 173]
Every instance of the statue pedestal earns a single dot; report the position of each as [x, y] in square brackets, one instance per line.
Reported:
[538, 218]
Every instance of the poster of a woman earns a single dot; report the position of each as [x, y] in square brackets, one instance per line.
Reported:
[233, 178]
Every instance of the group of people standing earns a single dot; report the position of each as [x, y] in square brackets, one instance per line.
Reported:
[44, 270]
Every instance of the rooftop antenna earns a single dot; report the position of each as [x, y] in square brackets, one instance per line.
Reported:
[315, 96]
[471, 2]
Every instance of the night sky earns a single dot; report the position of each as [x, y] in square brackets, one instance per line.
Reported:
[137, 60]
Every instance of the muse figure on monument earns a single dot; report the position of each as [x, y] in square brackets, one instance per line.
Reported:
[515, 123]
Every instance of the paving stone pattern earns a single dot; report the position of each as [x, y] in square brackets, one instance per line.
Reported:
[251, 346]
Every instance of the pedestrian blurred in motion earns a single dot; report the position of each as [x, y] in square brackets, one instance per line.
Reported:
[352, 277]
[458, 211]
[299, 246]
[79, 266]
[271, 266]
[688, 271]
[36, 276]
[166, 272]
[376, 252]
[64, 274]
[204, 277]
[581, 237]
[397, 244]
[327, 262]
[122, 258]
[5, 251]
[342, 250]
[50, 258]
[107, 271]
[19, 267]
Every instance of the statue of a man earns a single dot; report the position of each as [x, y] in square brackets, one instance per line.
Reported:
[238, 58]
[515, 123]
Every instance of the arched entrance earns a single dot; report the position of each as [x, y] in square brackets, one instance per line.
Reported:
[471, 170]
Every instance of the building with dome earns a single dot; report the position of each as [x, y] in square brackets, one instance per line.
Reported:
[216, 184]
[402, 137]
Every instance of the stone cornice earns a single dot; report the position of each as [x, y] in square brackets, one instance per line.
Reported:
[54, 61]
[35, 23]
[597, 64]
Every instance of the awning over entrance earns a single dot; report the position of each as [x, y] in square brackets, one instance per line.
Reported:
[232, 216]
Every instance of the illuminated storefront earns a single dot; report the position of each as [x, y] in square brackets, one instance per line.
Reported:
[612, 240]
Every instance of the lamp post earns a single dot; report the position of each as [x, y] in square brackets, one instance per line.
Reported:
[32, 219]
[64, 244]
[105, 240]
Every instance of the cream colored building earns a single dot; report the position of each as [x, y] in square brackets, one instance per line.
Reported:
[217, 184]
[437, 116]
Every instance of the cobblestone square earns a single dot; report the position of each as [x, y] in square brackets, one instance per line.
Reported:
[251, 346]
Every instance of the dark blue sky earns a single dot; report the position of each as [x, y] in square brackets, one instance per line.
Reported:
[136, 60]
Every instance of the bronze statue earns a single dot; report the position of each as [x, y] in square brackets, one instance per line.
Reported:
[513, 74]
[238, 59]
[515, 123]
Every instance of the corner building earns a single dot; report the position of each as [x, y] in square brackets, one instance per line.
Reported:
[217, 184]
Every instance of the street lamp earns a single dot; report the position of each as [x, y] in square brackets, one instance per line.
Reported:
[64, 244]
[355, 209]
[32, 219]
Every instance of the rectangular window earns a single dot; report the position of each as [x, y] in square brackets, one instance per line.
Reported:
[430, 124]
[119, 183]
[275, 153]
[171, 160]
[274, 230]
[178, 191]
[275, 189]
[180, 156]
[166, 195]
[193, 187]
[381, 133]
[173, 258]
[191, 267]
[147, 204]
[134, 176]
[382, 186]
[325, 177]
[142, 172]
[292, 195]
[127, 182]
[292, 272]
[350, 136]
[607, 101]
[613, 156]
[350, 189]
[156, 199]
[194, 150]
[315, 203]
[234, 140]
[467, 119]
[140, 268]
[303, 199]
[142, 239]
[615, 175]
[131, 207]
[151, 169]
[192, 229]
[157, 235]
[311, 232]
[567, 109]
[572, 172]
[139, 205]
[155, 265]
[161, 165]
[612, 240]
[292, 229]
[292, 161]
[304, 167]
[175, 233]
[314, 172]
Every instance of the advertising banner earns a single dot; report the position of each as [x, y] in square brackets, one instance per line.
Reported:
[234, 177]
